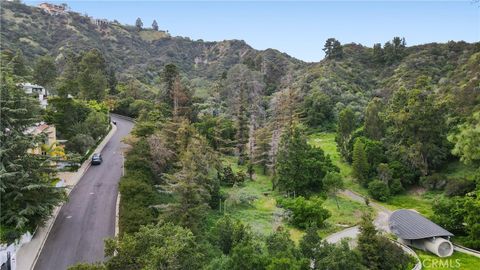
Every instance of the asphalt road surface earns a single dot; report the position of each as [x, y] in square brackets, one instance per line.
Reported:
[89, 215]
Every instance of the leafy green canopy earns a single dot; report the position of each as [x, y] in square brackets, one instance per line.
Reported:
[300, 167]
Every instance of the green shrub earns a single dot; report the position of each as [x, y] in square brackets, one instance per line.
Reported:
[229, 178]
[80, 143]
[306, 212]
[433, 182]
[459, 187]
[396, 187]
[379, 190]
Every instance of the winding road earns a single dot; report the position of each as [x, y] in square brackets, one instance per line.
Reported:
[89, 215]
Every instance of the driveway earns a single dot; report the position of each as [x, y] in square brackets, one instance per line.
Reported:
[381, 219]
[89, 215]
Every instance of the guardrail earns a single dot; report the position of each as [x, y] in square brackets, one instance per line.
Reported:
[466, 250]
[418, 265]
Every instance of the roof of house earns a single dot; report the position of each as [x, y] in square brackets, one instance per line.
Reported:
[37, 128]
[27, 84]
[410, 225]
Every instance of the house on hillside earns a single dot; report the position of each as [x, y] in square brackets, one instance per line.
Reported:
[38, 91]
[100, 22]
[53, 9]
[49, 145]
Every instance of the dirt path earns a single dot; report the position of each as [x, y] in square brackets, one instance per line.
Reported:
[381, 219]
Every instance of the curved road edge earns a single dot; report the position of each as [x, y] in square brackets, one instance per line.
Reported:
[28, 253]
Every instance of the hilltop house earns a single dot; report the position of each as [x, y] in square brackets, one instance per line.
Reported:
[36, 90]
[53, 9]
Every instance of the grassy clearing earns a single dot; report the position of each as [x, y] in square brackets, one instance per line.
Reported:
[151, 35]
[326, 141]
[420, 202]
[262, 214]
[456, 261]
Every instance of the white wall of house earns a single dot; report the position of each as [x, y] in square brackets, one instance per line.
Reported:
[40, 91]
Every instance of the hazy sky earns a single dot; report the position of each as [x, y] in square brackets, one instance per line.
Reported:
[298, 28]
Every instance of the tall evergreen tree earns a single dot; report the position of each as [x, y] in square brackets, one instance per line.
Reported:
[300, 167]
[169, 76]
[112, 82]
[333, 49]
[374, 125]
[367, 243]
[19, 67]
[360, 162]
[345, 127]
[242, 126]
[155, 25]
[139, 24]
[28, 195]
[262, 148]
[45, 71]
[67, 82]
[92, 79]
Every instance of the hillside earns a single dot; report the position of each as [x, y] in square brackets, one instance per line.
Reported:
[131, 52]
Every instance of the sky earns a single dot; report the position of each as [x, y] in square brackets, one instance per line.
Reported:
[298, 28]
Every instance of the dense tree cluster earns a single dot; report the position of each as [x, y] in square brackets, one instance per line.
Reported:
[27, 191]
[300, 167]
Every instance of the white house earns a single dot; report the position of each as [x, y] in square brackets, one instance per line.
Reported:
[36, 90]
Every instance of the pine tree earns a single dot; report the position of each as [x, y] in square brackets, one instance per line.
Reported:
[112, 82]
[367, 243]
[18, 64]
[242, 127]
[67, 82]
[360, 162]
[300, 167]
[92, 79]
[374, 126]
[44, 71]
[139, 24]
[310, 242]
[346, 125]
[169, 76]
[262, 148]
[192, 184]
[333, 49]
[27, 193]
[155, 25]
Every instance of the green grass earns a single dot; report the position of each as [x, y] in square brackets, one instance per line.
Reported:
[422, 203]
[260, 214]
[458, 169]
[456, 261]
[326, 141]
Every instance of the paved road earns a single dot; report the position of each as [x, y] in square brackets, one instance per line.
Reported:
[89, 215]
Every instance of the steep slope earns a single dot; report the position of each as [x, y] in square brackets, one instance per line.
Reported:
[357, 77]
[138, 53]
